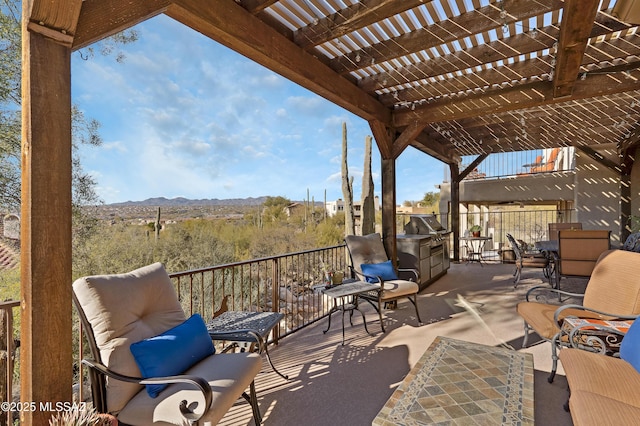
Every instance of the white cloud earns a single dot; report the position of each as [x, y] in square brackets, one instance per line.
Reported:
[114, 146]
[307, 104]
[186, 116]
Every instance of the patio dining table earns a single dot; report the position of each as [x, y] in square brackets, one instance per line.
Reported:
[547, 246]
[475, 248]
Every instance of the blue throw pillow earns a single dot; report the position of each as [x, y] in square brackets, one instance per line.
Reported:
[173, 351]
[630, 346]
[383, 270]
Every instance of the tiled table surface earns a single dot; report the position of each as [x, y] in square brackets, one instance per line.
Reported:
[463, 383]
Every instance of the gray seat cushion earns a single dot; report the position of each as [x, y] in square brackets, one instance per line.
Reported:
[397, 288]
[228, 374]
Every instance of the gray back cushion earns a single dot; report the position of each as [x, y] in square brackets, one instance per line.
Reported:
[365, 249]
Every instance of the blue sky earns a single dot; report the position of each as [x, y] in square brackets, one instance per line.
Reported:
[184, 116]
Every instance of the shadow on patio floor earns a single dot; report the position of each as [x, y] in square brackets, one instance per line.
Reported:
[337, 385]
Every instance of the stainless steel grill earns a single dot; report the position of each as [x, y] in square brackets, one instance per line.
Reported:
[424, 247]
[426, 224]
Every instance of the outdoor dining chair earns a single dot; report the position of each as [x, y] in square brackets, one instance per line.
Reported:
[578, 251]
[527, 260]
[152, 365]
[613, 292]
[370, 263]
[555, 227]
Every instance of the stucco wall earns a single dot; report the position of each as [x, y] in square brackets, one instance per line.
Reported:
[594, 188]
[598, 195]
[524, 188]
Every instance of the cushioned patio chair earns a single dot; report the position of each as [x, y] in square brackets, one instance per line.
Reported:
[139, 336]
[555, 227]
[370, 263]
[613, 292]
[578, 251]
[527, 260]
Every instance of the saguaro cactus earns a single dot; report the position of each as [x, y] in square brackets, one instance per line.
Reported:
[157, 225]
[367, 211]
[347, 187]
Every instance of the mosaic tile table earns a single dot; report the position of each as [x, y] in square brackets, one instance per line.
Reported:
[463, 383]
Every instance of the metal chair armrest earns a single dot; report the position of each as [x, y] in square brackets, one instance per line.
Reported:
[198, 382]
[552, 290]
[576, 343]
[594, 337]
[556, 315]
[412, 270]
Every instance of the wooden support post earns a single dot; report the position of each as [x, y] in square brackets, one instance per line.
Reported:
[628, 159]
[389, 208]
[455, 209]
[46, 369]
[384, 137]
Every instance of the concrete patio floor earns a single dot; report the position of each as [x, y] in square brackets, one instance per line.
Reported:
[332, 384]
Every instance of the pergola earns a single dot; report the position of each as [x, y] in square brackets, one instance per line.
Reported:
[448, 77]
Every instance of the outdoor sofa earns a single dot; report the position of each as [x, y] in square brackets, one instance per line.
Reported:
[605, 390]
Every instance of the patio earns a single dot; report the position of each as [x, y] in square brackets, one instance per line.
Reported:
[465, 79]
[340, 385]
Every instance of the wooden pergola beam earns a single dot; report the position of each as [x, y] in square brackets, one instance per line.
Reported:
[464, 59]
[59, 16]
[577, 24]
[102, 18]
[408, 135]
[383, 136]
[434, 148]
[499, 50]
[354, 17]
[475, 163]
[256, 6]
[230, 24]
[517, 98]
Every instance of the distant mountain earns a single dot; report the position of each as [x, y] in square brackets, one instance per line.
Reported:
[180, 201]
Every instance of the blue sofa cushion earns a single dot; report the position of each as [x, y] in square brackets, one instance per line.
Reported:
[173, 351]
[630, 346]
[384, 270]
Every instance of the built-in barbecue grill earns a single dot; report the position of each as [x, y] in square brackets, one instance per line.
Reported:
[426, 224]
[425, 247]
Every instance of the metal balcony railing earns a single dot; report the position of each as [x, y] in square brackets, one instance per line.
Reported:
[521, 163]
[7, 356]
[288, 283]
